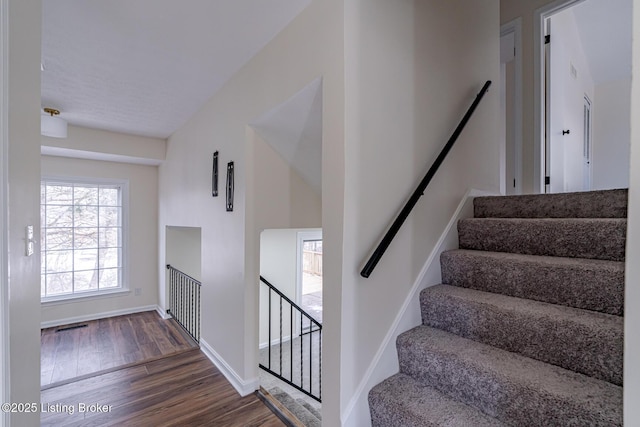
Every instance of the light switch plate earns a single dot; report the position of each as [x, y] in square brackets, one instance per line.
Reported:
[29, 240]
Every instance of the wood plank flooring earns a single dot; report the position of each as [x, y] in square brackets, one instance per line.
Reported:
[185, 389]
[107, 344]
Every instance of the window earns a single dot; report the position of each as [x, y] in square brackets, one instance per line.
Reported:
[82, 234]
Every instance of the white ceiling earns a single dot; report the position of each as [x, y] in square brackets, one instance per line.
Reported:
[605, 29]
[144, 67]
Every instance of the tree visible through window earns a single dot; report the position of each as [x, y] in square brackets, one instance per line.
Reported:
[81, 238]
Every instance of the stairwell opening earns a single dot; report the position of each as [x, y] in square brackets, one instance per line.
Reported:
[181, 296]
[289, 341]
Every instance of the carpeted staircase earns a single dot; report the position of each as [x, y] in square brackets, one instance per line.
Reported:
[527, 327]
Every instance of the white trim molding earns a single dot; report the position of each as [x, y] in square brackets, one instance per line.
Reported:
[96, 316]
[243, 387]
[385, 361]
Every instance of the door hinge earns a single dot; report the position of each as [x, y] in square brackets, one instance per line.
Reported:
[547, 180]
[547, 39]
[514, 183]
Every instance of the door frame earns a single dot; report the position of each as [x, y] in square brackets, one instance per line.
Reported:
[539, 96]
[315, 234]
[515, 27]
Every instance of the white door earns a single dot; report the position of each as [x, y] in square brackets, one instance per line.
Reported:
[586, 148]
[556, 133]
[507, 106]
[567, 159]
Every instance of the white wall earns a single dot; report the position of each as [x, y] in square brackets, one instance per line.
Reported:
[23, 199]
[281, 196]
[278, 255]
[632, 273]
[412, 69]
[611, 135]
[143, 237]
[99, 144]
[567, 103]
[183, 250]
[309, 47]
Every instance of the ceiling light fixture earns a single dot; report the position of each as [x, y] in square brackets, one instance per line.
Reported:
[53, 126]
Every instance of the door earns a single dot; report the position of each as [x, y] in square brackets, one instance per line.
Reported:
[568, 130]
[586, 147]
[507, 107]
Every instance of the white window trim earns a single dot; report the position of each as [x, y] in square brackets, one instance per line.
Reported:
[124, 288]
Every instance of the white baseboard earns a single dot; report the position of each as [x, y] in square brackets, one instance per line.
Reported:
[163, 313]
[385, 361]
[244, 388]
[96, 316]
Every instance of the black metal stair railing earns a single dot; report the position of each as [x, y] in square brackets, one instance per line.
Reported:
[294, 347]
[419, 191]
[184, 301]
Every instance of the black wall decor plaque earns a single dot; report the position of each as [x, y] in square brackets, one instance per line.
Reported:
[214, 175]
[230, 187]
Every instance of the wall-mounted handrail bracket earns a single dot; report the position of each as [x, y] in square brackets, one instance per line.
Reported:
[404, 213]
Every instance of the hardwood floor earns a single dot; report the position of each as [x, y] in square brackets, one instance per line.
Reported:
[107, 344]
[180, 390]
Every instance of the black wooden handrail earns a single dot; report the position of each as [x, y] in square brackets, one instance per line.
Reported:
[287, 299]
[404, 213]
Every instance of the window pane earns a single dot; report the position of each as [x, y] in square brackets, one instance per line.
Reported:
[85, 259]
[59, 194]
[86, 216]
[81, 237]
[58, 238]
[85, 195]
[109, 258]
[59, 216]
[86, 280]
[109, 237]
[59, 283]
[86, 238]
[59, 261]
[109, 217]
[109, 196]
[109, 278]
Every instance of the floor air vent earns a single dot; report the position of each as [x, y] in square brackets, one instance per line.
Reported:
[68, 328]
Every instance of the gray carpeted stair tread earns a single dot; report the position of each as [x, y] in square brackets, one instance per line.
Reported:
[300, 412]
[594, 238]
[583, 341]
[589, 284]
[592, 204]
[400, 401]
[310, 408]
[512, 388]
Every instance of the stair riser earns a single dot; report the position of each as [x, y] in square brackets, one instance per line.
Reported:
[596, 204]
[592, 348]
[590, 286]
[587, 238]
[498, 395]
